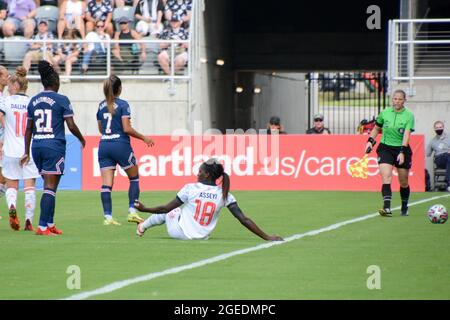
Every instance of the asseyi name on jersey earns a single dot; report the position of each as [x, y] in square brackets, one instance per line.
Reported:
[207, 195]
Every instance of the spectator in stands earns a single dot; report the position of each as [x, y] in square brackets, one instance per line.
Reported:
[37, 51]
[149, 14]
[3, 12]
[174, 32]
[95, 47]
[68, 53]
[319, 127]
[71, 16]
[440, 146]
[99, 10]
[20, 18]
[274, 126]
[182, 8]
[127, 55]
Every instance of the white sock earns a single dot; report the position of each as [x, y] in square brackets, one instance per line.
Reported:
[154, 220]
[108, 217]
[131, 210]
[30, 203]
[11, 197]
[50, 225]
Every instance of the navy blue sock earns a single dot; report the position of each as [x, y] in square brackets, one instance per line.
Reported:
[133, 191]
[404, 195]
[47, 207]
[106, 200]
[387, 196]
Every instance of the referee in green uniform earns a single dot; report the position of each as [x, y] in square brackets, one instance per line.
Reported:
[396, 124]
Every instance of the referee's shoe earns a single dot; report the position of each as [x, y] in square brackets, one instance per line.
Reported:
[385, 212]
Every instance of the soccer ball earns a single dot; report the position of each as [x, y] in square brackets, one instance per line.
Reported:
[437, 214]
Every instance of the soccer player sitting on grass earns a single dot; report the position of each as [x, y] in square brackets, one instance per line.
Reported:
[200, 204]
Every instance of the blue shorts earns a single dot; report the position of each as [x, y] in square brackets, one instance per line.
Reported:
[111, 154]
[48, 161]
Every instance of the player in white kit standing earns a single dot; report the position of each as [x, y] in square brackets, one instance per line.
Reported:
[4, 76]
[200, 204]
[13, 117]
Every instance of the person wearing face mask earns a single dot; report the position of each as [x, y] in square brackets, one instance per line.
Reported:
[440, 145]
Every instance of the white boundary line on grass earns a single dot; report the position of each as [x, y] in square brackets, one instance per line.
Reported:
[124, 283]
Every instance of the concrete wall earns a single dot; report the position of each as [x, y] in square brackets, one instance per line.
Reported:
[153, 110]
[431, 102]
[212, 86]
[283, 95]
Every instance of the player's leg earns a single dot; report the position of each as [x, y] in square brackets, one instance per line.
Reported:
[107, 167]
[133, 193]
[11, 200]
[153, 220]
[386, 191]
[403, 175]
[107, 185]
[51, 167]
[48, 203]
[386, 160]
[30, 202]
[29, 174]
[173, 227]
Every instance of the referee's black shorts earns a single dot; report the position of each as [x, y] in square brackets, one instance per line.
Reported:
[388, 154]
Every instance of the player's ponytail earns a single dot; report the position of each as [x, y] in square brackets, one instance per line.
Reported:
[225, 186]
[20, 77]
[112, 87]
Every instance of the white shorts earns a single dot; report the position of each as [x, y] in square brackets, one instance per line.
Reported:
[12, 169]
[173, 228]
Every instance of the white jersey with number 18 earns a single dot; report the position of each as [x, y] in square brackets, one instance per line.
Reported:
[200, 212]
[15, 110]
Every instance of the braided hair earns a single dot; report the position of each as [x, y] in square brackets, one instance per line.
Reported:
[215, 170]
[49, 77]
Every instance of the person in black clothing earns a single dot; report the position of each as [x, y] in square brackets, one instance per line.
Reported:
[126, 55]
[274, 126]
[319, 127]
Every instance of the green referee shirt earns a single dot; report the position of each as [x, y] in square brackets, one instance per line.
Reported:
[394, 125]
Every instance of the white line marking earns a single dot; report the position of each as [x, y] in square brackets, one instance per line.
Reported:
[124, 283]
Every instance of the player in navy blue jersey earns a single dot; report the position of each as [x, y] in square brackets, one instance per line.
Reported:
[114, 124]
[47, 112]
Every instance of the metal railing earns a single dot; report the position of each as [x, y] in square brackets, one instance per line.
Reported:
[347, 100]
[135, 65]
[419, 49]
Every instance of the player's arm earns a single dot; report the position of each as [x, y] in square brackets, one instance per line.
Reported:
[175, 203]
[28, 134]
[129, 130]
[74, 129]
[249, 224]
[100, 128]
[371, 140]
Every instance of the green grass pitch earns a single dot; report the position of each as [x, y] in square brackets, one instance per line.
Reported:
[412, 254]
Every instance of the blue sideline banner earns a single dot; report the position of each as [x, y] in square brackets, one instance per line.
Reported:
[71, 180]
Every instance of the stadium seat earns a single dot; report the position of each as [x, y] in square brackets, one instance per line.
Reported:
[439, 179]
[50, 14]
[15, 51]
[125, 11]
